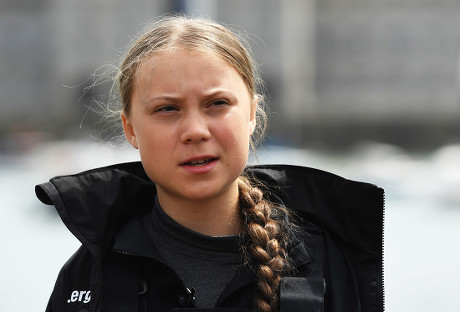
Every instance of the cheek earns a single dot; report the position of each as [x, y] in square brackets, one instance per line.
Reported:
[238, 123]
[156, 155]
[235, 138]
[154, 145]
[150, 134]
[148, 140]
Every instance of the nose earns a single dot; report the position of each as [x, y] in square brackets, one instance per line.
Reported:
[195, 128]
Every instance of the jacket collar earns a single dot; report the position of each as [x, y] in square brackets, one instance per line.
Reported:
[132, 238]
[94, 203]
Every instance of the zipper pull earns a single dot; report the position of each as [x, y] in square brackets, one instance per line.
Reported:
[188, 298]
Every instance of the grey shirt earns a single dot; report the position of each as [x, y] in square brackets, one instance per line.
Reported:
[205, 263]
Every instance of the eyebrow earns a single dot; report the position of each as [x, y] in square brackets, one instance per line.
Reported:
[207, 95]
[162, 98]
[216, 92]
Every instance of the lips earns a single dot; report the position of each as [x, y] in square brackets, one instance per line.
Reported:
[199, 161]
[199, 165]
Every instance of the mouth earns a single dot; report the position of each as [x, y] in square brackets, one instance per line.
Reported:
[199, 162]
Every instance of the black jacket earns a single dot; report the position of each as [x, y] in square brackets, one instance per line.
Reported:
[338, 260]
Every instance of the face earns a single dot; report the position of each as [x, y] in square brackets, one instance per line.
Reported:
[191, 117]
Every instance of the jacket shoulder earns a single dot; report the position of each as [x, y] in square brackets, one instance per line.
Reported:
[350, 214]
[347, 208]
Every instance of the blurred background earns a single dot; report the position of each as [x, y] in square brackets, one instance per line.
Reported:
[366, 89]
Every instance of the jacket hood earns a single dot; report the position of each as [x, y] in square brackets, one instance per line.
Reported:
[92, 203]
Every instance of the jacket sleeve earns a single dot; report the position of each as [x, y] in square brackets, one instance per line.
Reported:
[72, 288]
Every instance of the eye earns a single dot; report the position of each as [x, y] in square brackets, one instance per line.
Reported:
[165, 109]
[219, 103]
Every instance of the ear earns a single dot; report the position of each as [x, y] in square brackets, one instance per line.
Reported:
[252, 120]
[129, 130]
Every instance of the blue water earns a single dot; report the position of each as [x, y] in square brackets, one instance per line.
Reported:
[422, 227]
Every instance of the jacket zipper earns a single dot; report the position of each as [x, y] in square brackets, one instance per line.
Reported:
[383, 252]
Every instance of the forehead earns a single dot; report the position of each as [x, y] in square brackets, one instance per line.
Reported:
[177, 69]
[186, 63]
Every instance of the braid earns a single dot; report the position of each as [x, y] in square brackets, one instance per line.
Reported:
[267, 248]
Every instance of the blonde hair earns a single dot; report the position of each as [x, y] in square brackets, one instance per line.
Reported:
[266, 252]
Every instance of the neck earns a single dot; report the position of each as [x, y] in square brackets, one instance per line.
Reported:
[216, 216]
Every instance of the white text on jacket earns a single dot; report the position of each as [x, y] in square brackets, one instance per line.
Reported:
[80, 295]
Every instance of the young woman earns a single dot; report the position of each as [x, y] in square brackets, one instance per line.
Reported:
[191, 226]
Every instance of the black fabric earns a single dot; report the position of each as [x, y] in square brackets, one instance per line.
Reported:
[211, 310]
[302, 294]
[166, 289]
[339, 266]
[351, 212]
[204, 263]
[305, 289]
[348, 215]
[124, 272]
[159, 286]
